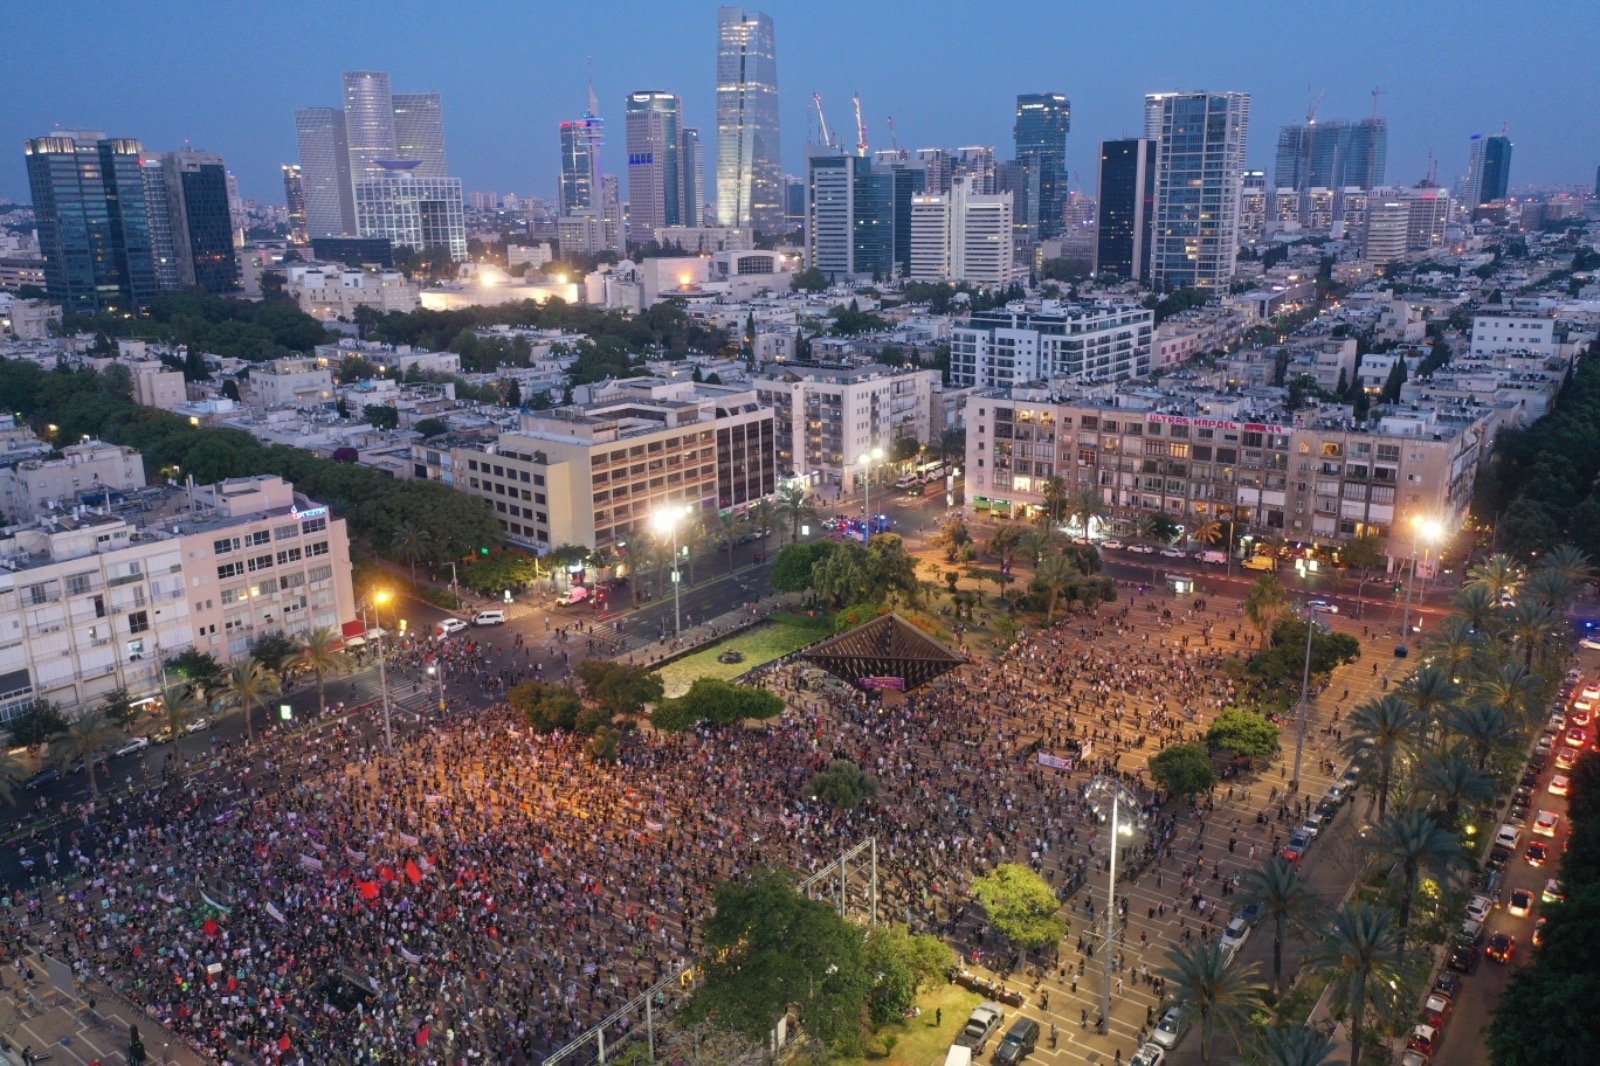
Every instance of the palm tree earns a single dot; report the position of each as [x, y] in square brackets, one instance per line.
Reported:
[1572, 565]
[1056, 573]
[1086, 505]
[1035, 544]
[727, 527]
[1533, 626]
[1291, 1045]
[88, 737]
[247, 684]
[1484, 729]
[320, 652]
[1390, 727]
[1455, 644]
[1415, 841]
[1209, 989]
[410, 545]
[763, 515]
[1477, 606]
[1285, 897]
[1055, 501]
[1550, 588]
[1158, 526]
[1208, 534]
[1360, 954]
[1451, 779]
[1263, 604]
[793, 507]
[1497, 575]
[1433, 693]
[180, 705]
[12, 774]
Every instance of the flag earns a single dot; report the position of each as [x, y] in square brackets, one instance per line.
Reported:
[276, 913]
[409, 956]
[386, 874]
[283, 1042]
[369, 889]
[413, 872]
[211, 928]
[422, 1036]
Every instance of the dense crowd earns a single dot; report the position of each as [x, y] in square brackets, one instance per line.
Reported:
[491, 892]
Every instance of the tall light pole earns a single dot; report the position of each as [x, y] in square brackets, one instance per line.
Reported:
[1103, 790]
[1428, 530]
[666, 521]
[1305, 698]
[436, 669]
[379, 598]
[865, 461]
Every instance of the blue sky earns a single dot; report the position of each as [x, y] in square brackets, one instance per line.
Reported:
[226, 76]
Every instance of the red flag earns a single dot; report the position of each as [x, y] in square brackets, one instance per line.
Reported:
[211, 928]
[422, 1036]
[413, 872]
[283, 1042]
[369, 889]
[386, 873]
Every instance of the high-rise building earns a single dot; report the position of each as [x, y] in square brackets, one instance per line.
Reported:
[423, 214]
[1043, 121]
[1496, 180]
[419, 132]
[1127, 207]
[1013, 345]
[369, 123]
[850, 218]
[936, 161]
[794, 203]
[163, 246]
[1472, 187]
[691, 177]
[961, 236]
[1332, 154]
[294, 195]
[975, 162]
[202, 226]
[749, 157]
[655, 164]
[580, 163]
[92, 220]
[325, 171]
[1200, 142]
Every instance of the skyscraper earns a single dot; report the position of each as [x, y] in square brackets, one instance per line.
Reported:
[749, 159]
[1043, 121]
[1200, 142]
[423, 214]
[975, 162]
[202, 226]
[93, 224]
[1496, 180]
[294, 195]
[692, 177]
[1127, 206]
[655, 166]
[419, 132]
[325, 172]
[1473, 185]
[369, 122]
[849, 217]
[580, 164]
[163, 250]
[1332, 155]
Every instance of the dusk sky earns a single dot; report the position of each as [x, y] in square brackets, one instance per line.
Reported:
[227, 77]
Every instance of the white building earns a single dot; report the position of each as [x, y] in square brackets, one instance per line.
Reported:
[1508, 332]
[962, 236]
[1040, 341]
[423, 214]
[85, 473]
[291, 382]
[330, 291]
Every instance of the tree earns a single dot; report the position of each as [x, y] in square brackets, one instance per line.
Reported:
[277, 653]
[1414, 841]
[1497, 575]
[432, 427]
[844, 576]
[547, 708]
[1264, 603]
[319, 653]
[1388, 728]
[901, 964]
[1217, 995]
[1451, 780]
[247, 683]
[1433, 693]
[381, 416]
[1485, 730]
[1020, 905]
[793, 508]
[770, 947]
[409, 545]
[1057, 499]
[1284, 896]
[1243, 734]
[12, 774]
[1158, 526]
[1362, 555]
[1057, 574]
[1184, 770]
[87, 738]
[180, 706]
[1359, 953]
[1390, 393]
[841, 785]
[38, 725]
[117, 708]
[719, 702]
[1290, 1045]
[792, 570]
[810, 280]
[200, 669]
[953, 537]
[622, 688]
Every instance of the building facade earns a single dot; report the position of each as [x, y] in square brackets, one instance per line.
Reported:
[1332, 154]
[84, 475]
[580, 162]
[369, 123]
[294, 195]
[419, 132]
[655, 168]
[1126, 208]
[749, 156]
[1200, 144]
[1021, 343]
[202, 224]
[423, 214]
[325, 171]
[1040, 131]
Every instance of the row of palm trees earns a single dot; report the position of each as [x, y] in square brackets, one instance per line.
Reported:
[1433, 746]
[243, 687]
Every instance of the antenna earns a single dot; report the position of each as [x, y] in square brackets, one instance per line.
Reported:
[894, 138]
[1371, 134]
[594, 101]
[861, 127]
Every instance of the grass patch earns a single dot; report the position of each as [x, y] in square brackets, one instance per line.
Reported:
[760, 645]
[918, 1041]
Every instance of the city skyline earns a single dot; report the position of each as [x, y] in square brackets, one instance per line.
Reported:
[498, 126]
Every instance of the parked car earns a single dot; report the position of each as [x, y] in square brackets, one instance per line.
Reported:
[1152, 1054]
[981, 1024]
[1553, 892]
[450, 626]
[1463, 957]
[1296, 848]
[42, 778]
[1170, 1027]
[1113, 545]
[1560, 784]
[1173, 553]
[1019, 1041]
[1478, 907]
[1234, 936]
[134, 744]
[1142, 549]
[1436, 1009]
[200, 725]
[1424, 1038]
[1508, 836]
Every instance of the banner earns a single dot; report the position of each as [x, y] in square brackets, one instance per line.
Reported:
[882, 682]
[1055, 762]
[409, 957]
[310, 862]
[277, 914]
[223, 907]
[357, 856]
[408, 840]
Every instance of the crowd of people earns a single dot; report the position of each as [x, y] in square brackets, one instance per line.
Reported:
[486, 893]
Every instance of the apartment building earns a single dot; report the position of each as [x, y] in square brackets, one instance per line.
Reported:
[828, 416]
[1044, 340]
[1314, 478]
[85, 473]
[92, 601]
[291, 382]
[593, 474]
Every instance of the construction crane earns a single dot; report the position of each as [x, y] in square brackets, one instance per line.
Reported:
[894, 138]
[822, 120]
[861, 127]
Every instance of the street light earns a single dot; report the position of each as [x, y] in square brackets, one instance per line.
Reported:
[379, 598]
[436, 669]
[865, 461]
[1102, 791]
[1305, 697]
[1429, 531]
[666, 521]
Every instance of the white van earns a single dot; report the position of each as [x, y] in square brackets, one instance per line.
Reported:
[958, 1056]
[489, 618]
[1219, 557]
[572, 597]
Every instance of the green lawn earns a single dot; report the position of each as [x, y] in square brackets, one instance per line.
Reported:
[759, 645]
[918, 1041]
